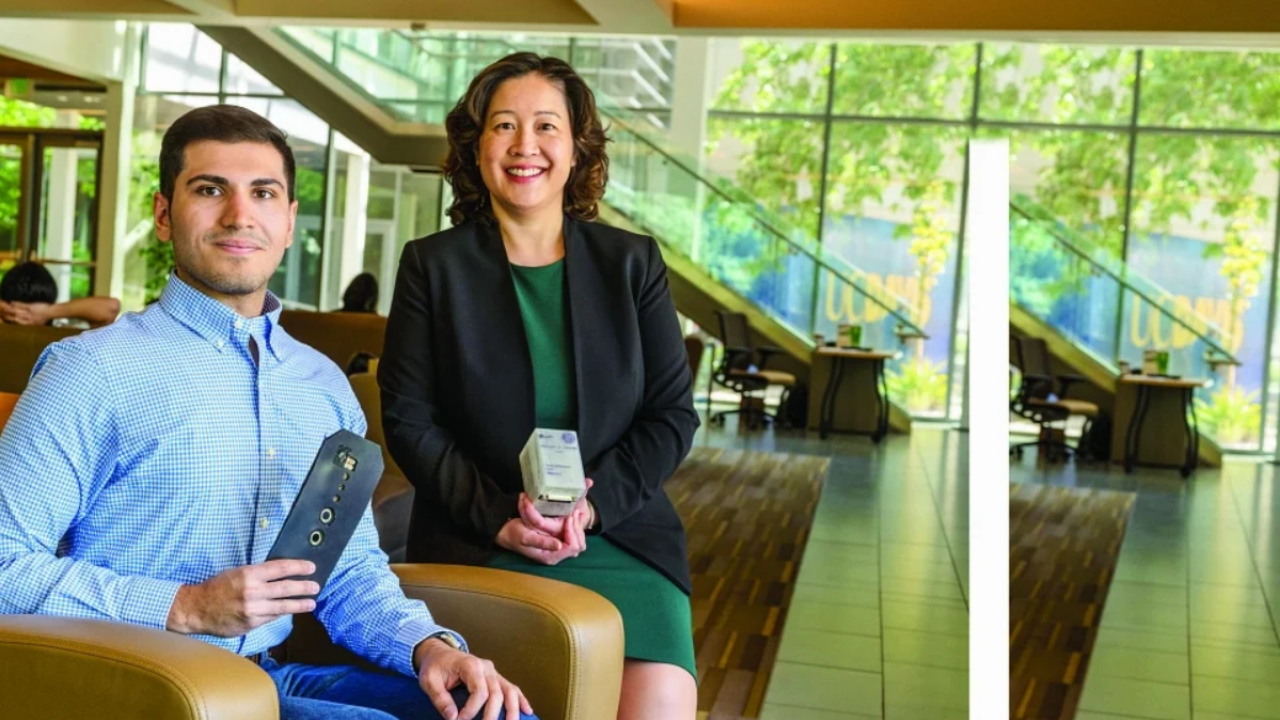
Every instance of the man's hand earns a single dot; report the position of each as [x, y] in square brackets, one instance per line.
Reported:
[540, 547]
[238, 600]
[441, 668]
[18, 313]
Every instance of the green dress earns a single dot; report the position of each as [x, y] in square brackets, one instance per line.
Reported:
[656, 616]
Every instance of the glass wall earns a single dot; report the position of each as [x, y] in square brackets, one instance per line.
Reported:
[56, 222]
[419, 75]
[185, 69]
[862, 148]
[859, 148]
[1165, 160]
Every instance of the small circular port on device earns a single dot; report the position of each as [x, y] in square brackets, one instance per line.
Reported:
[337, 498]
[342, 488]
[316, 538]
[326, 516]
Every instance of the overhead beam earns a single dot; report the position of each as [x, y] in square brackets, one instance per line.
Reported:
[526, 12]
[72, 8]
[1145, 16]
[654, 17]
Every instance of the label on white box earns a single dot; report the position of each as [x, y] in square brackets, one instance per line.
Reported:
[551, 464]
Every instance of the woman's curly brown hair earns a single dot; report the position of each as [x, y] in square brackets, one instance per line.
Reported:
[465, 123]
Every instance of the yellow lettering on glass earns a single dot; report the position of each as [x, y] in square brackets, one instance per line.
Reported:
[843, 305]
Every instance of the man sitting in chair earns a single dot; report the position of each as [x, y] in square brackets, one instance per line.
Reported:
[149, 466]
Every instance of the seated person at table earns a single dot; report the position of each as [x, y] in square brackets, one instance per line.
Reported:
[29, 296]
[361, 295]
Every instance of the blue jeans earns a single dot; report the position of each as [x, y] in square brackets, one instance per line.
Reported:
[343, 692]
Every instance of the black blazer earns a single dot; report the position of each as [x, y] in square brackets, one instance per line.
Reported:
[457, 390]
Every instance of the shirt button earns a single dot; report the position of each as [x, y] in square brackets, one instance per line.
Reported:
[271, 452]
[239, 324]
[264, 523]
[220, 344]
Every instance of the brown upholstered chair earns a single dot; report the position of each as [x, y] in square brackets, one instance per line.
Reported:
[393, 498]
[337, 335]
[20, 347]
[694, 347]
[7, 401]
[562, 644]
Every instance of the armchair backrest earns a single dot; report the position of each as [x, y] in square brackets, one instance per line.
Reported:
[735, 332]
[1035, 356]
[694, 348]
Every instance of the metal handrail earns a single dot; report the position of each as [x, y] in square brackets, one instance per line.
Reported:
[1074, 248]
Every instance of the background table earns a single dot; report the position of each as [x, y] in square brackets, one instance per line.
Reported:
[1175, 403]
[840, 357]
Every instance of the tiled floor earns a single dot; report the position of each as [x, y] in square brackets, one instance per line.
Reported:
[1189, 630]
[879, 624]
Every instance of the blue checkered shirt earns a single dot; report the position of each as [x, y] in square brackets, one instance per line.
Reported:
[155, 452]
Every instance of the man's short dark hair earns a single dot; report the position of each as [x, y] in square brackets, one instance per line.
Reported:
[220, 123]
[28, 282]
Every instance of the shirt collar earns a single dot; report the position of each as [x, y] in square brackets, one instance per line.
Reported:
[217, 323]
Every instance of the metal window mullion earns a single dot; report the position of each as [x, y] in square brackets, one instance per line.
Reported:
[957, 291]
[1271, 322]
[823, 171]
[1128, 196]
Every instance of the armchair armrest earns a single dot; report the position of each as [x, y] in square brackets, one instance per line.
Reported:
[733, 358]
[562, 644]
[57, 667]
[1066, 381]
[766, 353]
[1036, 385]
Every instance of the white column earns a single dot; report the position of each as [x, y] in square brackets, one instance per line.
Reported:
[690, 98]
[113, 191]
[354, 220]
[60, 208]
[987, 406]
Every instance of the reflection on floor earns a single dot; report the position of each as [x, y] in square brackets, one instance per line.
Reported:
[878, 624]
[1189, 629]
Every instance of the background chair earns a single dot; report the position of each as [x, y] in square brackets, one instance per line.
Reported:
[338, 336]
[393, 497]
[694, 347]
[7, 402]
[742, 369]
[20, 347]
[1042, 398]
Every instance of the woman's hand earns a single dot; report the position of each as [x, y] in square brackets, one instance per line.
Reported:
[521, 539]
[554, 526]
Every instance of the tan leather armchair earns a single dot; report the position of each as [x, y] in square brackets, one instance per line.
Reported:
[560, 643]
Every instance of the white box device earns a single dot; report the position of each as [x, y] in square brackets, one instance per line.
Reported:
[551, 464]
